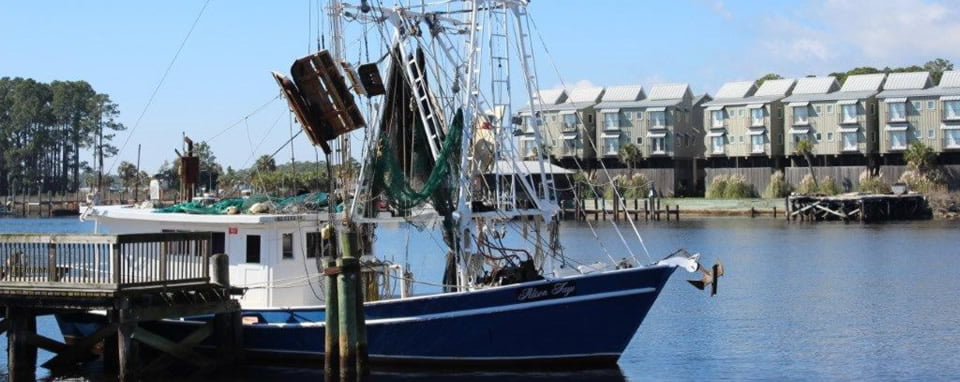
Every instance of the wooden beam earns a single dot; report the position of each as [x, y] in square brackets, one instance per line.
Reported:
[191, 340]
[182, 310]
[178, 350]
[45, 343]
[81, 349]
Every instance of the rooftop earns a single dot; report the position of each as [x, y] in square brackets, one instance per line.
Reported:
[584, 95]
[907, 81]
[668, 92]
[624, 93]
[950, 79]
[778, 88]
[740, 89]
[863, 82]
[816, 85]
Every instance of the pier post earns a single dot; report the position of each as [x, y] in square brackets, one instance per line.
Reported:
[21, 354]
[128, 348]
[331, 355]
[350, 314]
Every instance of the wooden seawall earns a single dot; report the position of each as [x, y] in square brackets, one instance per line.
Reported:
[854, 207]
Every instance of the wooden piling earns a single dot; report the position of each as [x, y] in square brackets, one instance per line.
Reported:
[21, 354]
[349, 314]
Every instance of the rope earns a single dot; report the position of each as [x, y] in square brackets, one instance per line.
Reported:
[157, 88]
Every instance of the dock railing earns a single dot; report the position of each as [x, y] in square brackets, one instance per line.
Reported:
[104, 262]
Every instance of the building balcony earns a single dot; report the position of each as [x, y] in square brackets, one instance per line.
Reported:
[849, 147]
[890, 147]
[759, 150]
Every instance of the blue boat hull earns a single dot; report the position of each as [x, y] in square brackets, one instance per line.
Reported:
[580, 320]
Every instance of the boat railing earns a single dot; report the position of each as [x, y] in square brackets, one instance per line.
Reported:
[96, 263]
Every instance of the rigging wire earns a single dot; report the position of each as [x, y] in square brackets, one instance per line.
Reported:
[590, 139]
[243, 119]
[159, 84]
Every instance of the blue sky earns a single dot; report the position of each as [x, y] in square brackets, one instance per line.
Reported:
[123, 47]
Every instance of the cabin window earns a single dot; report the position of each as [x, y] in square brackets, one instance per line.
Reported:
[931, 105]
[287, 244]
[316, 245]
[253, 249]
[219, 242]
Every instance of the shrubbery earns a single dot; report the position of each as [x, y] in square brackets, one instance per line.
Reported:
[829, 187]
[778, 187]
[630, 187]
[872, 184]
[807, 186]
[929, 183]
[730, 187]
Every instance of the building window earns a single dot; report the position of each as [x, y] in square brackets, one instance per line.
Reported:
[756, 143]
[819, 137]
[829, 137]
[951, 109]
[800, 115]
[829, 109]
[287, 246]
[717, 144]
[898, 140]
[658, 145]
[741, 139]
[611, 121]
[931, 134]
[780, 113]
[639, 140]
[639, 115]
[253, 249]
[756, 116]
[952, 138]
[740, 113]
[850, 141]
[897, 112]
[658, 119]
[817, 109]
[717, 118]
[570, 121]
[849, 113]
[569, 145]
[916, 106]
[917, 134]
[931, 105]
[611, 144]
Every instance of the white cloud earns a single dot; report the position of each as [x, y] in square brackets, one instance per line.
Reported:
[796, 42]
[719, 7]
[893, 28]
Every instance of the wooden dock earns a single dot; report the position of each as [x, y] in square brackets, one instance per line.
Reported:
[133, 278]
[856, 207]
[637, 209]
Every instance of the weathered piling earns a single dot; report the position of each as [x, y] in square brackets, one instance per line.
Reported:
[350, 305]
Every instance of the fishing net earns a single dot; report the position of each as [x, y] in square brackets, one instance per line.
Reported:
[391, 178]
[301, 203]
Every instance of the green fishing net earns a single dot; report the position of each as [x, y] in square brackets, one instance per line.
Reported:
[300, 203]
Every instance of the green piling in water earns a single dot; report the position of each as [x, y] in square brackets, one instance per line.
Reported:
[331, 355]
[350, 315]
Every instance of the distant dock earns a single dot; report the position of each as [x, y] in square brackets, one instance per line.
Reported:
[860, 208]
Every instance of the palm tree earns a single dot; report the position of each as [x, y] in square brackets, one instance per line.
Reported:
[805, 148]
[265, 163]
[920, 158]
[629, 154]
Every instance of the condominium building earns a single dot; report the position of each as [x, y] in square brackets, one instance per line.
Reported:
[620, 116]
[811, 114]
[947, 139]
[909, 113]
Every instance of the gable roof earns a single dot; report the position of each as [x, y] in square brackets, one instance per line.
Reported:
[771, 88]
[907, 81]
[863, 83]
[664, 92]
[552, 96]
[816, 85]
[623, 93]
[739, 89]
[950, 79]
[584, 95]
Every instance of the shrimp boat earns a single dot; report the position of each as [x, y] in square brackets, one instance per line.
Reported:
[434, 140]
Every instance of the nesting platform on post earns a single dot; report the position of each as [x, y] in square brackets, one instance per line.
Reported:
[131, 279]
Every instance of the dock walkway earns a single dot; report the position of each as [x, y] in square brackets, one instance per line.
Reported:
[133, 278]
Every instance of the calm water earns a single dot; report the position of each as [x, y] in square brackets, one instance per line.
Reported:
[799, 302]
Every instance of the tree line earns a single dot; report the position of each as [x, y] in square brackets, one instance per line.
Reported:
[44, 128]
[935, 67]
